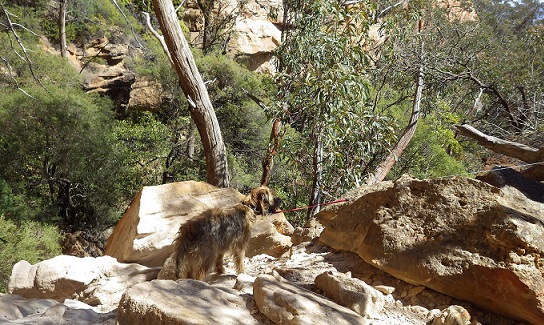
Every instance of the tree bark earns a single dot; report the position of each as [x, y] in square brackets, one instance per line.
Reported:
[385, 166]
[508, 148]
[193, 87]
[62, 27]
[274, 144]
[317, 179]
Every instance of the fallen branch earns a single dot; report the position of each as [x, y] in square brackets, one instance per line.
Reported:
[508, 148]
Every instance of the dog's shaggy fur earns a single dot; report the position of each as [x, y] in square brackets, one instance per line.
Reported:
[203, 241]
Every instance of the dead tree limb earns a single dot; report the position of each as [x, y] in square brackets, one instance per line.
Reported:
[508, 148]
[10, 26]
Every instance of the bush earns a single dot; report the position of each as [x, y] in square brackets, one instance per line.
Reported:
[30, 241]
[58, 152]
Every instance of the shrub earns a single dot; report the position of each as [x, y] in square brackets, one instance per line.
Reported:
[29, 241]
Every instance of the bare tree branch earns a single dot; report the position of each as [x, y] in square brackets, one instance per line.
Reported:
[158, 37]
[10, 72]
[12, 32]
[508, 148]
[128, 22]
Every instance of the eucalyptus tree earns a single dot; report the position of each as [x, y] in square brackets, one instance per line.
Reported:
[499, 61]
[193, 87]
[324, 93]
[219, 19]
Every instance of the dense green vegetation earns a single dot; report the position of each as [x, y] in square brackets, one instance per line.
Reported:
[71, 160]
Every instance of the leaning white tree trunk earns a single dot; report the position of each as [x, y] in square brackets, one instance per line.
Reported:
[193, 87]
[385, 166]
[62, 27]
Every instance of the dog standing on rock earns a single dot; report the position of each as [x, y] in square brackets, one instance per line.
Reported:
[202, 242]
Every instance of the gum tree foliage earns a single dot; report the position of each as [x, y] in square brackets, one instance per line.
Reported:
[324, 94]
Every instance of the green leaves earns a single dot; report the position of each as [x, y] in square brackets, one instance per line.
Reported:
[29, 241]
[57, 151]
[324, 90]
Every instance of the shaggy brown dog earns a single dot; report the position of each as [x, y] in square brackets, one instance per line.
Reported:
[203, 241]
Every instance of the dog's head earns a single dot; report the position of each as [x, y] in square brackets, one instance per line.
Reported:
[262, 200]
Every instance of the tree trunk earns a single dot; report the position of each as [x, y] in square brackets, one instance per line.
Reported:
[62, 27]
[274, 144]
[317, 179]
[385, 166]
[206, 8]
[193, 87]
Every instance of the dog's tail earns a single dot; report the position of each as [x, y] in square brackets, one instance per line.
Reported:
[177, 255]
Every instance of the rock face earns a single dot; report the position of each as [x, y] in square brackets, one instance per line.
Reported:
[102, 65]
[458, 236]
[149, 226]
[256, 29]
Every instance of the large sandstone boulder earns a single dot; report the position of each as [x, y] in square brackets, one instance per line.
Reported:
[146, 231]
[148, 228]
[458, 236]
[95, 281]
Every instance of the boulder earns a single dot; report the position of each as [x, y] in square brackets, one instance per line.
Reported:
[146, 232]
[352, 293]
[311, 230]
[148, 227]
[146, 94]
[183, 302]
[286, 303]
[453, 315]
[95, 281]
[458, 236]
[15, 309]
[266, 239]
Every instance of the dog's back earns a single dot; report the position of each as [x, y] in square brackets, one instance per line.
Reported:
[202, 242]
[204, 239]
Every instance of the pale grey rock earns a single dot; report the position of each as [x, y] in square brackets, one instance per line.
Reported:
[183, 302]
[285, 303]
[352, 293]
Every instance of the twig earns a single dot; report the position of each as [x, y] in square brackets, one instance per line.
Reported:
[128, 22]
[94, 56]
[158, 37]
[180, 5]
[10, 72]
[26, 58]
